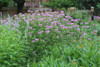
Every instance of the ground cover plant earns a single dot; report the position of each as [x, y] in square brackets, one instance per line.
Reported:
[48, 39]
[97, 19]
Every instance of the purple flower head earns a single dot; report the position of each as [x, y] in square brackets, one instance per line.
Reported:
[32, 22]
[70, 27]
[36, 39]
[47, 28]
[61, 35]
[71, 32]
[15, 15]
[28, 10]
[50, 10]
[62, 11]
[3, 21]
[84, 34]
[47, 31]
[62, 14]
[37, 11]
[5, 24]
[19, 20]
[67, 16]
[7, 18]
[30, 28]
[61, 25]
[33, 40]
[56, 29]
[81, 22]
[40, 19]
[65, 19]
[38, 14]
[78, 29]
[86, 23]
[23, 18]
[23, 15]
[72, 23]
[43, 40]
[26, 20]
[75, 20]
[65, 27]
[40, 24]
[55, 18]
[97, 17]
[40, 32]
[50, 26]
[29, 33]
[89, 39]
[31, 19]
[68, 35]
[50, 19]
[95, 31]
[59, 31]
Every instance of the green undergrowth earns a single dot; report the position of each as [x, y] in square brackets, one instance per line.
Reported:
[48, 39]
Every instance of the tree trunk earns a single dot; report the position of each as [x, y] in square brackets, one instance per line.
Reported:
[20, 7]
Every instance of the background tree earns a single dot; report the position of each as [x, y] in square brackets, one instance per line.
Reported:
[20, 5]
[80, 4]
[6, 3]
[3, 3]
[87, 4]
[59, 4]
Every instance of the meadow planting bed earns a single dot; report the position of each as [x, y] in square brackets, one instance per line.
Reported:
[48, 39]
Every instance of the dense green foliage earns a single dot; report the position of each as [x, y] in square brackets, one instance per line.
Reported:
[80, 14]
[48, 39]
[11, 48]
[72, 56]
[3, 3]
[80, 4]
[59, 3]
[87, 3]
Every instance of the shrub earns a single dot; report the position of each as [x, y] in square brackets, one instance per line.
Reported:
[34, 35]
[80, 14]
[97, 19]
[82, 54]
[11, 48]
[87, 4]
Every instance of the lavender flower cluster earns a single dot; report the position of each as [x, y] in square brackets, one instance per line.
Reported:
[42, 26]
